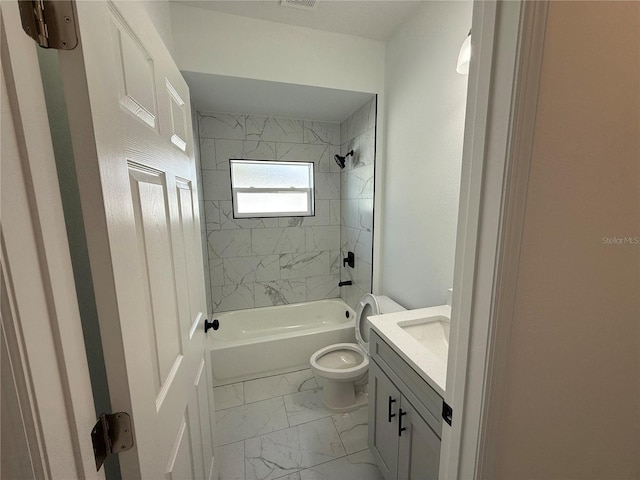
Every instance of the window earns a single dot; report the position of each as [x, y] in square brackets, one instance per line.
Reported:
[262, 188]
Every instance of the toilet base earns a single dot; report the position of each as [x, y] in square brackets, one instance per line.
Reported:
[343, 396]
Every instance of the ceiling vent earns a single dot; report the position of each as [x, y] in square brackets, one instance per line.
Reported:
[302, 4]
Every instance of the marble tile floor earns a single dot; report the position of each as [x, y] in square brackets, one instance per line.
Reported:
[277, 428]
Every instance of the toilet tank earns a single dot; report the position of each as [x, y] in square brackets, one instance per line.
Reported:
[387, 305]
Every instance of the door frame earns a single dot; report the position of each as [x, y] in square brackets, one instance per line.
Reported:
[501, 108]
[43, 330]
[498, 131]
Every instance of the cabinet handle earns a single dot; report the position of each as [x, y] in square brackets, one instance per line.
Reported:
[400, 427]
[391, 401]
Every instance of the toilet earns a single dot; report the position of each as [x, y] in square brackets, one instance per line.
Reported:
[342, 369]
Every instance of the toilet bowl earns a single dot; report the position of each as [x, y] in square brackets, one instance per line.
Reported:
[342, 369]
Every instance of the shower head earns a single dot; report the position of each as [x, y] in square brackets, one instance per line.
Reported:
[340, 159]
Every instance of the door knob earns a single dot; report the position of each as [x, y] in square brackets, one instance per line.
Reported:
[207, 325]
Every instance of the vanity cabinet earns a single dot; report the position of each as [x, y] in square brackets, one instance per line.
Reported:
[384, 399]
[404, 417]
[419, 449]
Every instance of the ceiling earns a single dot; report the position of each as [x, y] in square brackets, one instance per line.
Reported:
[217, 93]
[376, 19]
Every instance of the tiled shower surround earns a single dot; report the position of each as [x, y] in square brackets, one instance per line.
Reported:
[273, 261]
[358, 133]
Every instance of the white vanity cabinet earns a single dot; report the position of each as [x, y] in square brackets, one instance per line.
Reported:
[404, 417]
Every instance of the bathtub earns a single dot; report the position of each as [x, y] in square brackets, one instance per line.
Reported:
[271, 340]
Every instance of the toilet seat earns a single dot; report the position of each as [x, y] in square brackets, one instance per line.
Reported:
[335, 369]
[342, 368]
[368, 305]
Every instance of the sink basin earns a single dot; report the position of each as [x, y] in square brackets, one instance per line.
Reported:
[431, 332]
[421, 338]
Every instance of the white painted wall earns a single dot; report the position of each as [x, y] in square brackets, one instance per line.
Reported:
[159, 11]
[572, 394]
[425, 108]
[213, 42]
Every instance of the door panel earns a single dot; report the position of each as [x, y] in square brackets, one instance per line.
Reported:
[419, 449]
[178, 113]
[383, 437]
[149, 197]
[180, 463]
[135, 72]
[196, 427]
[187, 210]
[203, 392]
[137, 180]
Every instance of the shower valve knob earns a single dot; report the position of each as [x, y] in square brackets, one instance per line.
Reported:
[350, 260]
[208, 325]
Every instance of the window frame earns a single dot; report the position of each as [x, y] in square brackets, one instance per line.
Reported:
[310, 192]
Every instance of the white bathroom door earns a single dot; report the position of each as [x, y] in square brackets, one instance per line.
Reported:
[130, 120]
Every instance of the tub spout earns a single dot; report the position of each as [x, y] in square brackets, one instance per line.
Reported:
[342, 284]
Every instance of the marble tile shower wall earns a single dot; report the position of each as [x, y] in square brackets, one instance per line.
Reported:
[269, 261]
[358, 133]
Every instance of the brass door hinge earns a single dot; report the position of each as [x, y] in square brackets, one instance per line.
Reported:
[110, 435]
[51, 23]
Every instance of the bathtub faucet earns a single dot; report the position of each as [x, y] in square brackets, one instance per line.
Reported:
[342, 284]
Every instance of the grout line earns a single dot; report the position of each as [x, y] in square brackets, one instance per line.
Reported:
[331, 414]
[347, 454]
[359, 451]
[290, 473]
[260, 378]
[286, 412]
[244, 460]
[245, 404]
[318, 464]
[333, 422]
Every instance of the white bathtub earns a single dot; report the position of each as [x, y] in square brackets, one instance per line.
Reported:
[271, 340]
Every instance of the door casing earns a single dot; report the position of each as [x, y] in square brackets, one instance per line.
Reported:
[45, 351]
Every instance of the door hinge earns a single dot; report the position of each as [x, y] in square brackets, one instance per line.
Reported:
[51, 23]
[110, 435]
[447, 412]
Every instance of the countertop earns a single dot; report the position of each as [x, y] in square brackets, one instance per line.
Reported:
[431, 366]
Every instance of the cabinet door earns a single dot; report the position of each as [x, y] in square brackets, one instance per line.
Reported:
[384, 402]
[419, 449]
